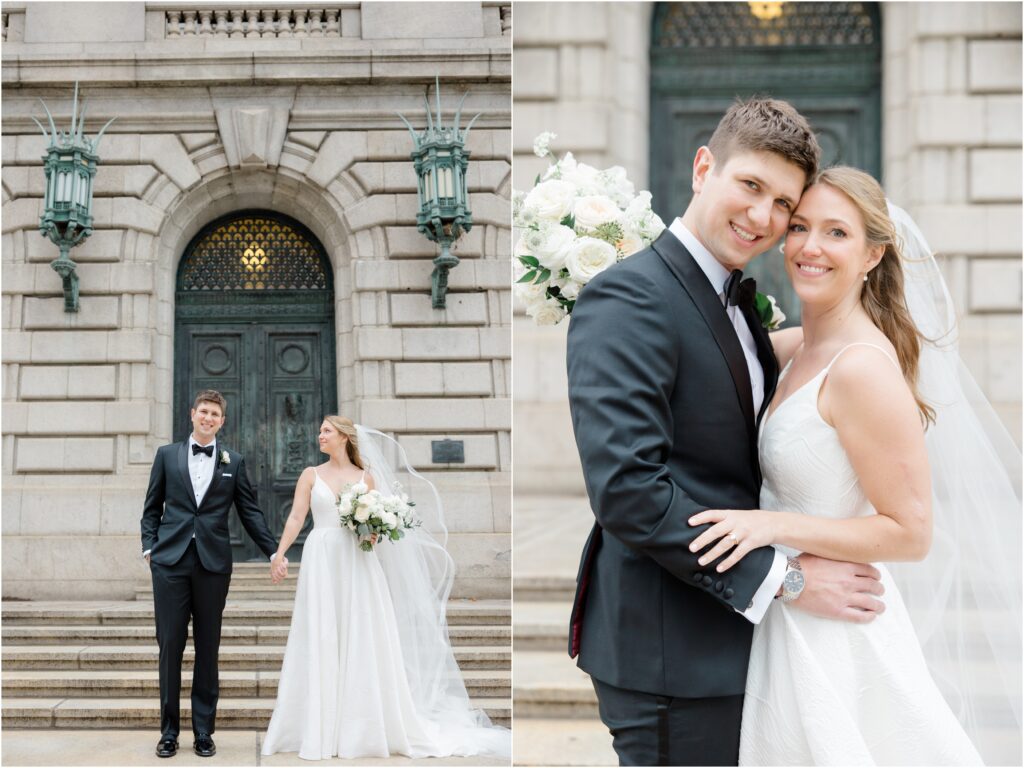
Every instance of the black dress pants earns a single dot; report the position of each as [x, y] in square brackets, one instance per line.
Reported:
[661, 730]
[183, 591]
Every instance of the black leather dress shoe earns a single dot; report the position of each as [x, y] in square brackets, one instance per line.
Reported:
[167, 747]
[204, 746]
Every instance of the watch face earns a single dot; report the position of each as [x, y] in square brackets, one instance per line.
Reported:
[794, 581]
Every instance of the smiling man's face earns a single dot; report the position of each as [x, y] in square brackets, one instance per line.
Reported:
[741, 208]
[207, 419]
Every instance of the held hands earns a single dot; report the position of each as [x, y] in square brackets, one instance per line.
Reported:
[279, 569]
[740, 530]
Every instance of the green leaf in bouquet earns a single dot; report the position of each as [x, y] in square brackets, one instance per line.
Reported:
[529, 261]
[545, 274]
[537, 180]
[569, 221]
[363, 529]
[528, 277]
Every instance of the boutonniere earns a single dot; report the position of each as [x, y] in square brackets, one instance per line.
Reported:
[768, 312]
[225, 457]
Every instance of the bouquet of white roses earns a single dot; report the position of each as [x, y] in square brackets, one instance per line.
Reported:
[575, 223]
[366, 513]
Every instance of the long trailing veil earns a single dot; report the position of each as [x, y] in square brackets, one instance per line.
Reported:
[419, 573]
[965, 597]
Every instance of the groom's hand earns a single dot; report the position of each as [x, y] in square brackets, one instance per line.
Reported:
[844, 591]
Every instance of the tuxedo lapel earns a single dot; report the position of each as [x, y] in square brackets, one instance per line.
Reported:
[697, 285]
[765, 355]
[185, 474]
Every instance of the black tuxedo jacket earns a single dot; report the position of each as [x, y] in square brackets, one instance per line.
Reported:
[664, 421]
[170, 515]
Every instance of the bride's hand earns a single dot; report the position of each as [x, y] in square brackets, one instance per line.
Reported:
[738, 529]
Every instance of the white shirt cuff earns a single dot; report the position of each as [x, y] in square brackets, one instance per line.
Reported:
[146, 553]
[766, 592]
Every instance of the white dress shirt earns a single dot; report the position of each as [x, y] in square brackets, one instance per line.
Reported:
[200, 469]
[717, 275]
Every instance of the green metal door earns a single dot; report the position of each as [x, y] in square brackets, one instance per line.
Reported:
[255, 321]
[824, 58]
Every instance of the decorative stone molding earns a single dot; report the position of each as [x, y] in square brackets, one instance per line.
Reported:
[506, 20]
[238, 23]
[252, 136]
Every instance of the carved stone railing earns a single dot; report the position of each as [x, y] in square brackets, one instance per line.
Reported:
[506, 20]
[257, 23]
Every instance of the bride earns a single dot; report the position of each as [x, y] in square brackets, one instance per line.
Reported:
[368, 670]
[846, 476]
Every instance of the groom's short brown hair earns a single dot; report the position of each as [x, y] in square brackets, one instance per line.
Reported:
[211, 396]
[766, 125]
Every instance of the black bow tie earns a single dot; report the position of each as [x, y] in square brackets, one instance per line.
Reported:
[739, 292]
[207, 449]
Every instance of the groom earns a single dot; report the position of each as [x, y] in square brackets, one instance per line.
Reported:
[185, 541]
[670, 371]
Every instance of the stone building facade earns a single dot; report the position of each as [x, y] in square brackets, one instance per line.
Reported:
[276, 110]
[951, 155]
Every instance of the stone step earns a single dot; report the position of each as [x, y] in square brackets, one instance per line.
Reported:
[145, 712]
[542, 625]
[236, 612]
[233, 683]
[144, 634]
[232, 657]
[562, 742]
[243, 592]
[544, 588]
[548, 684]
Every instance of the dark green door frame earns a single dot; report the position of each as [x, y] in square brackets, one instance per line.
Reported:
[703, 58]
[272, 354]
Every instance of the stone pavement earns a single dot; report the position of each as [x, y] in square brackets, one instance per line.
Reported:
[126, 747]
[554, 705]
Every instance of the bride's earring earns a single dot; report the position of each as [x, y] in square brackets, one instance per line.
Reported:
[865, 278]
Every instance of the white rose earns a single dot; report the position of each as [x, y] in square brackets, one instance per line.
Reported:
[551, 200]
[566, 165]
[530, 293]
[592, 211]
[360, 487]
[390, 520]
[629, 243]
[585, 178]
[550, 244]
[588, 257]
[548, 312]
[362, 514]
[569, 288]
[778, 318]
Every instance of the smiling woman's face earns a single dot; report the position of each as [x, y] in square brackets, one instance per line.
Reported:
[827, 253]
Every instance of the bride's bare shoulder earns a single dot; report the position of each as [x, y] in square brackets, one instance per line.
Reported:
[786, 342]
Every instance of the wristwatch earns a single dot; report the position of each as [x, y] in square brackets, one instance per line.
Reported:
[793, 581]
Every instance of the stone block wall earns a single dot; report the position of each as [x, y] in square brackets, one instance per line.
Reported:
[952, 124]
[208, 124]
[952, 147]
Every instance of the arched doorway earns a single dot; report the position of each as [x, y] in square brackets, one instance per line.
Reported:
[254, 319]
[824, 58]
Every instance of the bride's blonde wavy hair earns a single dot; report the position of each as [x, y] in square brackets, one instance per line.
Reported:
[882, 296]
[348, 428]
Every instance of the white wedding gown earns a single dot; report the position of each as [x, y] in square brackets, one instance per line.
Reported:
[827, 692]
[344, 689]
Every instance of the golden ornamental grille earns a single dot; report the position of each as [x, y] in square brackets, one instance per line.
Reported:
[253, 253]
[771, 24]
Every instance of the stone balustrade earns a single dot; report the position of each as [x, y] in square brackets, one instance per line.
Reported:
[237, 23]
